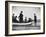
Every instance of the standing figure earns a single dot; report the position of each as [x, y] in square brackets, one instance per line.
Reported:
[13, 20]
[35, 19]
[21, 17]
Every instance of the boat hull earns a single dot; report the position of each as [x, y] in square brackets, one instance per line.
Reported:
[21, 23]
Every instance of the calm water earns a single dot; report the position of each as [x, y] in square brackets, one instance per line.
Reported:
[32, 26]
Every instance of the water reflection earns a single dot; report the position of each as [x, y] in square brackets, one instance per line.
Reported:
[32, 26]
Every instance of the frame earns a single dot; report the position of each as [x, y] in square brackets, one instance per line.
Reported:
[23, 6]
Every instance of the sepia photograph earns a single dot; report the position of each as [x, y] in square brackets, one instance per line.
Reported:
[24, 18]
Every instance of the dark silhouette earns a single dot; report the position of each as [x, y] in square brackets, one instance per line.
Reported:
[21, 17]
[13, 19]
[16, 19]
[30, 20]
[25, 19]
[35, 19]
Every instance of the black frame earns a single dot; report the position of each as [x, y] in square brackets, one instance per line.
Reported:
[6, 18]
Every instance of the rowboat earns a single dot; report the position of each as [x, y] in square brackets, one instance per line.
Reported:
[22, 23]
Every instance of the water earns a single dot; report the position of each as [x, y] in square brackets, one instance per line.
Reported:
[32, 26]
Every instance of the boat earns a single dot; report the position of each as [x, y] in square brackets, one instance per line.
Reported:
[22, 23]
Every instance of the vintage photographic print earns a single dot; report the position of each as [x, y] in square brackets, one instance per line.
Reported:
[25, 18]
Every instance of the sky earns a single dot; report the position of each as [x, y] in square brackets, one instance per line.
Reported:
[27, 11]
